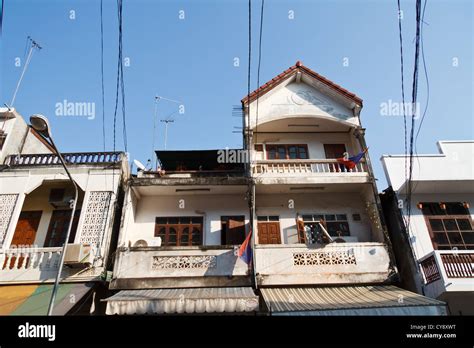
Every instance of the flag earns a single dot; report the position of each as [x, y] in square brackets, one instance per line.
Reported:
[351, 162]
[245, 250]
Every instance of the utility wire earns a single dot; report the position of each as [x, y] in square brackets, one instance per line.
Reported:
[414, 102]
[258, 69]
[102, 69]
[427, 87]
[403, 87]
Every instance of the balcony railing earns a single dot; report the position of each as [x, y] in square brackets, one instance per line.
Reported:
[458, 265]
[168, 267]
[305, 166]
[29, 264]
[69, 158]
[39, 265]
[337, 263]
[450, 264]
[448, 270]
[430, 269]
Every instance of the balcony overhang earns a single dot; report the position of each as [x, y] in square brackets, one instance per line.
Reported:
[438, 186]
[304, 123]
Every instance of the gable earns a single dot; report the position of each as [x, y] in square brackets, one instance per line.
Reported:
[299, 99]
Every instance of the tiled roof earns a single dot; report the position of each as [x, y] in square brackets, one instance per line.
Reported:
[288, 72]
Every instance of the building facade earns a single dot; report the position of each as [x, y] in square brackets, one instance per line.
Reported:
[439, 230]
[35, 208]
[319, 245]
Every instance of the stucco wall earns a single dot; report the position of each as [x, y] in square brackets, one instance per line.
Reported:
[315, 203]
[210, 207]
[298, 99]
[315, 142]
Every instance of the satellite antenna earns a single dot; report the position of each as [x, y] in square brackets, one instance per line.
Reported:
[139, 165]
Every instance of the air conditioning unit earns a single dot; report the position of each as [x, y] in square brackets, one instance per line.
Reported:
[60, 198]
[78, 254]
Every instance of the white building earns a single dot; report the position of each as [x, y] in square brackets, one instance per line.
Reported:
[293, 190]
[35, 210]
[441, 230]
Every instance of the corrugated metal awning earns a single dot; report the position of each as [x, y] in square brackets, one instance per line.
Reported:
[350, 300]
[169, 301]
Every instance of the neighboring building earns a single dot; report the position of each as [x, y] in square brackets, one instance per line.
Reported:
[441, 230]
[17, 137]
[35, 209]
[183, 223]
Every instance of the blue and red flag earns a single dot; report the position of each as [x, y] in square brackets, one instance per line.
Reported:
[245, 250]
[351, 162]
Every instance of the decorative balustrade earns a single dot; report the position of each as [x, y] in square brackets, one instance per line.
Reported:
[430, 269]
[188, 266]
[30, 258]
[448, 271]
[69, 158]
[305, 166]
[458, 265]
[337, 263]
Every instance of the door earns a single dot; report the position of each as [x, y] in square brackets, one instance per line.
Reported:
[58, 228]
[25, 232]
[269, 233]
[233, 230]
[335, 151]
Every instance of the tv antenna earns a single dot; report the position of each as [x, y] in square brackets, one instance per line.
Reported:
[167, 120]
[33, 45]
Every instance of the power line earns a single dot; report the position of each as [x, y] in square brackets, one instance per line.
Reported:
[120, 83]
[403, 87]
[427, 87]
[258, 69]
[102, 69]
[248, 74]
[414, 102]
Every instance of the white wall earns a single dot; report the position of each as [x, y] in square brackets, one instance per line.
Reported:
[19, 137]
[455, 162]
[315, 141]
[316, 203]
[298, 99]
[419, 233]
[141, 223]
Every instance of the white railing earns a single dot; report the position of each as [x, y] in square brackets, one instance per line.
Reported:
[30, 258]
[305, 166]
[29, 264]
[336, 263]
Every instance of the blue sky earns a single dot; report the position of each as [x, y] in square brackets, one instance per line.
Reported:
[192, 60]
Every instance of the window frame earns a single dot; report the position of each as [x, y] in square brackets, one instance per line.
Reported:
[314, 219]
[179, 227]
[441, 217]
[287, 152]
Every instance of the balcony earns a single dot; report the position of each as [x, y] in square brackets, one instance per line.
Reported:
[36, 265]
[309, 170]
[169, 267]
[448, 271]
[337, 263]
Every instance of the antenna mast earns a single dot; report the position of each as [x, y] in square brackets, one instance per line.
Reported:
[34, 45]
